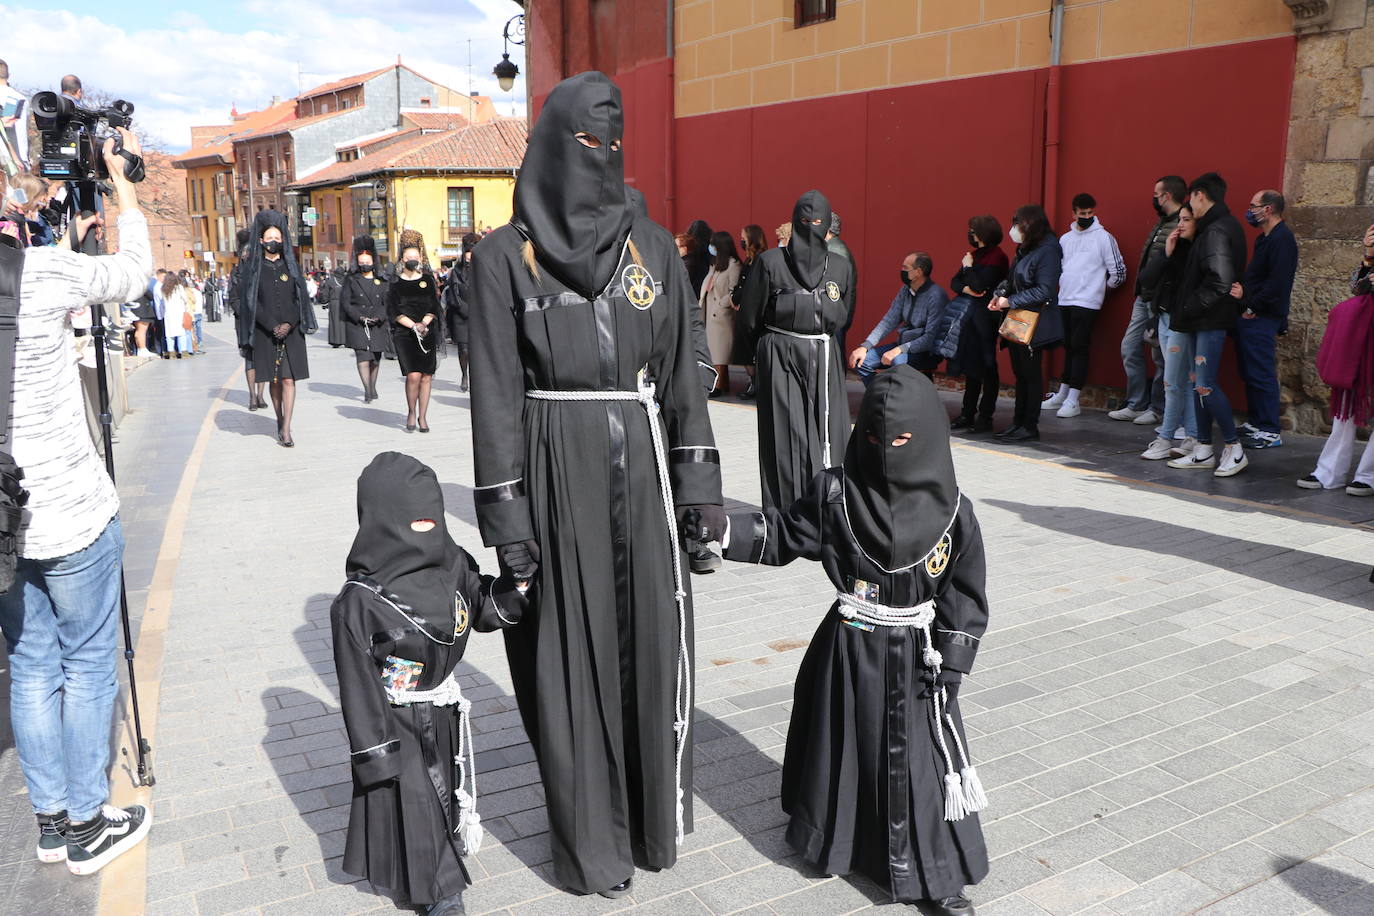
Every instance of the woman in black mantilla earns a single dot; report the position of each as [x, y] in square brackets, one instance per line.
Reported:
[412, 304]
[793, 305]
[400, 626]
[877, 776]
[590, 432]
[362, 304]
[274, 315]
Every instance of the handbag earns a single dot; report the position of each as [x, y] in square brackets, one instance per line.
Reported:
[187, 322]
[1019, 326]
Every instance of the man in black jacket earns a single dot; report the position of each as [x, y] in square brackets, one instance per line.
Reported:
[1206, 308]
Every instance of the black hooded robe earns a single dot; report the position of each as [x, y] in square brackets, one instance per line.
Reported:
[800, 289]
[403, 823]
[595, 664]
[271, 292]
[863, 774]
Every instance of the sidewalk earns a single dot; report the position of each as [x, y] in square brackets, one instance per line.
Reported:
[1172, 707]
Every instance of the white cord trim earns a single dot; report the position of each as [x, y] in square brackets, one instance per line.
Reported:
[954, 517]
[375, 747]
[504, 483]
[825, 390]
[459, 603]
[682, 712]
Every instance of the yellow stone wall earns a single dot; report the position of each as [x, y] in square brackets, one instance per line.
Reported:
[422, 203]
[742, 53]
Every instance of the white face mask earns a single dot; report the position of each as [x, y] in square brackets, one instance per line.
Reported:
[1017, 236]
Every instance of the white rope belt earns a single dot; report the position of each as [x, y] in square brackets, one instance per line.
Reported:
[825, 387]
[449, 693]
[682, 711]
[963, 789]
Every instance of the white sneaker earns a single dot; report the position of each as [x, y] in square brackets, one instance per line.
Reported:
[1159, 449]
[1200, 458]
[1148, 418]
[1053, 402]
[1070, 409]
[1124, 413]
[1184, 448]
[1233, 461]
[1310, 482]
[1180, 433]
[1247, 429]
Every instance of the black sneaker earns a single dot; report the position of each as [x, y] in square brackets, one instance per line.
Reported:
[114, 831]
[52, 842]
[452, 905]
[961, 423]
[703, 559]
[1359, 489]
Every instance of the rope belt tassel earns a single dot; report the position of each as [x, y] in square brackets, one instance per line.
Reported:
[825, 385]
[682, 712]
[964, 793]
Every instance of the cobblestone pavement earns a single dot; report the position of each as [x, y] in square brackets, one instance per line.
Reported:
[1172, 707]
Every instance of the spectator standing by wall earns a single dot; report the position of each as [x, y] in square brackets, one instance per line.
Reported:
[1177, 345]
[1264, 296]
[1145, 393]
[60, 616]
[1207, 309]
[1092, 265]
[718, 312]
[752, 244]
[975, 353]
[176, 307]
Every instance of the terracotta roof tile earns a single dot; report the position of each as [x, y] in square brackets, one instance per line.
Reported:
[221, 146]
[435, 120]
[346, 83]
[498, 144]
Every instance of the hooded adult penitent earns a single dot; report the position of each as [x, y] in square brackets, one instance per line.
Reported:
[877, 777]
[579, 306]
[793, 305]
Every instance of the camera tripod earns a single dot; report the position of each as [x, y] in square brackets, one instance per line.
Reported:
[85, 202]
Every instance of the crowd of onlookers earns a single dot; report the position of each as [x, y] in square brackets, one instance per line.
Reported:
[1196, 284]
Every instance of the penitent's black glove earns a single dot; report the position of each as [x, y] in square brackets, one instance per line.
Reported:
[520, 560]
[701, 524]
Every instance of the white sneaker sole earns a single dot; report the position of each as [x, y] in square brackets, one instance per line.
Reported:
[1067, 412]
[52, 855]
[1159, 456]
[1312, 485]
[1232, 470]
[1146, 419]
[1359, 491]
[1207, 465]
[91, 866]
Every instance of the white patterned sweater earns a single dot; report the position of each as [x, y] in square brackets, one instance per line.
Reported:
[71, 497]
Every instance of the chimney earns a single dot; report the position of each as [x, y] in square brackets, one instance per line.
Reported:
[276, 100]
[474, 94]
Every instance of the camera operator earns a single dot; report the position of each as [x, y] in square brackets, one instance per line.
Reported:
[60, 615]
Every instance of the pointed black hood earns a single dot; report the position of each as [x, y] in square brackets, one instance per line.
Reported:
[900, 499]
[570, 199]
[806, 252]
[421, 568]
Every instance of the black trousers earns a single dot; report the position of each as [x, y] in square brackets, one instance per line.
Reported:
[1030, 386]
[980, 394]
[1078, 335]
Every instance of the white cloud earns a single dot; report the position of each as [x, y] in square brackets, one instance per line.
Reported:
[190, 71]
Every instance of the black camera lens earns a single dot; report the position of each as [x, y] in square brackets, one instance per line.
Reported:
[51, 105]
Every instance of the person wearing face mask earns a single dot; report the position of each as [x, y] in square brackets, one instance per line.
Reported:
[877, 776]
[1177, 345]
[1264, 296]
[456, 307]
[752, 243]
[362, 305]
[243, 241]
[1092, 265]
[717, 311]
[412, 304]
[915, 316]
[594, 455]
[970, 344]
[1144, 395]
[698, 256]
[1032, 285]
[274, 315]
[400, 626]
[793, 307]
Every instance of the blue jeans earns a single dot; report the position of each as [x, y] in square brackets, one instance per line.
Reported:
[200, 339]
[1257, 359]
[59, 624]
[873, 361]
[1142, 390]
[1178, 387]
[1211, 403]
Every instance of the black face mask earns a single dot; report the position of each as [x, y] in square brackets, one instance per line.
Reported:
[1084, 222]
[972, 238]
[273, 247]
[1159, 207]
[906, 277]
[364, 267]
[412, 264]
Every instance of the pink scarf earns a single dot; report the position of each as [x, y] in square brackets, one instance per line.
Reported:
[1346, 359]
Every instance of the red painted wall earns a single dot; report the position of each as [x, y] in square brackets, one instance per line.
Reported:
[907, 167]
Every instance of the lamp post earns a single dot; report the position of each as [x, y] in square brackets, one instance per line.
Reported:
[506, 71]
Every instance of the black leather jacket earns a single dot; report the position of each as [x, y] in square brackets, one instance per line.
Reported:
[1216, 260]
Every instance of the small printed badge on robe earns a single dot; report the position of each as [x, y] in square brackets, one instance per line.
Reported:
[639, 286]
[401, 673]
[866, 591]
[423, 284]
[832, 289]
[284, 278]
[938, 558]
[460, 614]
[376, 282]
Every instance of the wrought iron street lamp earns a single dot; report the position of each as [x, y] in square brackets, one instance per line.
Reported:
[506, 71]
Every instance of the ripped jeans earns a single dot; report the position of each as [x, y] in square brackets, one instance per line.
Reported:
[1211, 403]
[1178, 386]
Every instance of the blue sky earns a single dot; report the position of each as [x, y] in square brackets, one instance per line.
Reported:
[186, 63]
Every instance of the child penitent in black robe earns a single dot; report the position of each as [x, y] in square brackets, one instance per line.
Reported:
[876, 777]
[400, 625]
